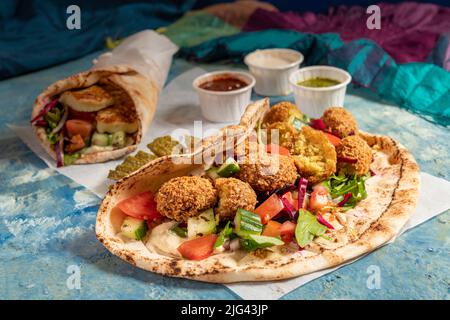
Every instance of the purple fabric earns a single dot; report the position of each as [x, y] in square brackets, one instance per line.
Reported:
[409, 31]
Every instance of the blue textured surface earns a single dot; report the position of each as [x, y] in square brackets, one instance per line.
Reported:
[47, 221]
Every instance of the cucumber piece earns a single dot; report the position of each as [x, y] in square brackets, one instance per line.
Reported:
[101, 139]
[297, 123]
[118, 139]
[203, 224]
[133, 228]
[253, 242]
[246, 223]
[212, 173]
[228, 168]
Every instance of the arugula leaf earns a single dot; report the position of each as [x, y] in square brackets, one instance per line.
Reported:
[226, 232]
[253, 242]
[307, 228]
[341, 184]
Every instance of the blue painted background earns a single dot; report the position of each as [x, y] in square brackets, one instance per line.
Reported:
[47, 221]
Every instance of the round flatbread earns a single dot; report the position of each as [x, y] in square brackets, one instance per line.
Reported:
[392, 197]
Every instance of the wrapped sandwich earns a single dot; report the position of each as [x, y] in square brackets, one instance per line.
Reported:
[102, 114]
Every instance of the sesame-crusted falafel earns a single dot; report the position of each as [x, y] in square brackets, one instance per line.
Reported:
[283, 111]
[184, 197]
[314, 155]
[234, 194]
[287, 135]
[340, 122]
[357, 149]
[268, 172]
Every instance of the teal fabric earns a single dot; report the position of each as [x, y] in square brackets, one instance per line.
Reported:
[421, 88]
[196, 27]
[33, 34]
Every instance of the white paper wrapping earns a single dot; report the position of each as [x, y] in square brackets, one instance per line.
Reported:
[147, 52]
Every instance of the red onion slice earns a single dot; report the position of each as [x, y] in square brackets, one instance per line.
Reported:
[49, 106]
[318, 124]
[302, 185]
[324, 222]
[62, 120]
[59, 152]
[347, 197]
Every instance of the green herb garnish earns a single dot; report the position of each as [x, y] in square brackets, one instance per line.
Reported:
[341, 184]
[179, 231]
[254, 242]
[226, 232]
[307, 228]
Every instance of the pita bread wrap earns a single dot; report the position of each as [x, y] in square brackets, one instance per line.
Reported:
[142, 91]
[392, 197]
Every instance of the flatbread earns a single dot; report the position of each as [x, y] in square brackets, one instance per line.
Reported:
[392, 197]
[143, 92]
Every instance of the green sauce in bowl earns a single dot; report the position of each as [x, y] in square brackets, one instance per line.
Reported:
[318, 82]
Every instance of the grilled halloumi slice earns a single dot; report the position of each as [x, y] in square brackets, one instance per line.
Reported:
[91, 99]
[117, 118]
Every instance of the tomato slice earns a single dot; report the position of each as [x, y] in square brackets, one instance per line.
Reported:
[335, 141]
[289, 196]
[81, 127]
[272, 229]
[76, 143]
[199, 248]
[87, 116]
[320, 197]
[269, 208]
[275, 148]
[140, 206]
[287, 231]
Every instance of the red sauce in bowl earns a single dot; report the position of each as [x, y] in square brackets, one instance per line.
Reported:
[223, 83]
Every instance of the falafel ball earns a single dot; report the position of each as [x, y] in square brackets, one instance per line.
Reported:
[234, 194]
[287, 135]
[314, 155]
[268, 172]
[354, 148]
[184, 197]
[340, 122]
[283, 111]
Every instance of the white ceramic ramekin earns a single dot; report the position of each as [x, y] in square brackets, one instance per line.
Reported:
[314, 101]
[272, 68]
[224, 106]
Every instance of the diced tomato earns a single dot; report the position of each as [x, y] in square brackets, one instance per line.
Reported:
[289, 196]
[269, 208]
[81, 127]
[274, 148]
[87, 116]
[320, 197]
[199, 248]
[76, 143]
[287, 231]
[141, 206]
[335, 141]
[272, 229]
